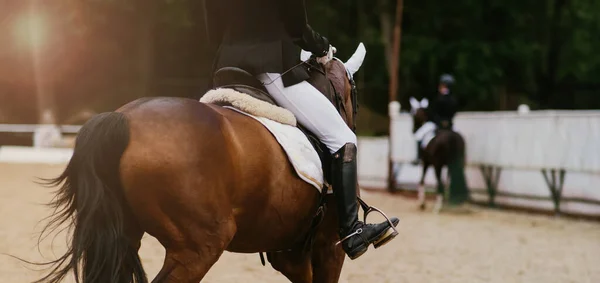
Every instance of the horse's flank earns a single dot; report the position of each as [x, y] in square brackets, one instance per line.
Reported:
[219, 163]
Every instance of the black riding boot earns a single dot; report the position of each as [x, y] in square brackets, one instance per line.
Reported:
[355, 235]
[418, 159]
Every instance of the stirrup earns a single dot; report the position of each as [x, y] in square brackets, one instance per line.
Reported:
[368, 209]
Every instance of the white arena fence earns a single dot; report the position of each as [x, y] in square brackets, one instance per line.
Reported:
[41, 136]
[31, 128]
[561, 140]
[506, 152]
[34, 155]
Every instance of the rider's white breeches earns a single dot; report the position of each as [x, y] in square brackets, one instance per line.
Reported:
[312, 110]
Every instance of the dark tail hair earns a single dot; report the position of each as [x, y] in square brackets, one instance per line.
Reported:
[91, 202]
[459, 192]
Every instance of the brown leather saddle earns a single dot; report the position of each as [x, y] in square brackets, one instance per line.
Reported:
[241, 81]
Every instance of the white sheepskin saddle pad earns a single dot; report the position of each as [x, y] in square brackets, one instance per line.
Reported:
[250, 105]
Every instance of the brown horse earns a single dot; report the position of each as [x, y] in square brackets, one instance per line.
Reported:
[447, 148]
[200, 178]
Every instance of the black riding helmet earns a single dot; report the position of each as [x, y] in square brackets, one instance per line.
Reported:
[447, 79]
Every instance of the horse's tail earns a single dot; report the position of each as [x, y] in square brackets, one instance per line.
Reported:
[459, 192]
[92, 202]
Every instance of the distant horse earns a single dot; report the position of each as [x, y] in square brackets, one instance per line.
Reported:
[200, 178]
[445, 147]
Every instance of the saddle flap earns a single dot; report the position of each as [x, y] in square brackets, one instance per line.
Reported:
[241, 81]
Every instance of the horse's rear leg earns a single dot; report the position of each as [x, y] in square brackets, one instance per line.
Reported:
[440, 190]
[189, 261]
[421, 188]
[195, 228]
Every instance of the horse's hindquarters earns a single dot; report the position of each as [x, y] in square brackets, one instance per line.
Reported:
[196, 171]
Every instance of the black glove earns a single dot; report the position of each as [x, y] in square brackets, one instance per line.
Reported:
[313, 42]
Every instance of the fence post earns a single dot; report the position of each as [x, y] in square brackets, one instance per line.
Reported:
[491, 176]
[555, 186]
[523, 109]
[394, 114]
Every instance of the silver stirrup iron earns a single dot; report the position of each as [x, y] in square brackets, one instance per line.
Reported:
[368, 209]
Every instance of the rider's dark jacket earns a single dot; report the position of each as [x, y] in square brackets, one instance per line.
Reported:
[263, 36]
[443, 109]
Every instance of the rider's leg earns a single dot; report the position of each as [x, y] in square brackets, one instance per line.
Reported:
[312, 110]
[355, 235]
[319, 116]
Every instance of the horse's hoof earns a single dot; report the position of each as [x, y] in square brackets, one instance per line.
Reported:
[422, 206]
[437, 208]
[438, 204]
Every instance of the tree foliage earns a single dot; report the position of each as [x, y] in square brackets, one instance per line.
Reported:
[502, 53]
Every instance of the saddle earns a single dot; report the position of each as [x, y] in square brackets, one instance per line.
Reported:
[244, 82]
[241, 81]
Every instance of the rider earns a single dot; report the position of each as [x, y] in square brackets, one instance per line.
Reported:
[442, 110]
[444, 107]
[264, 37]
